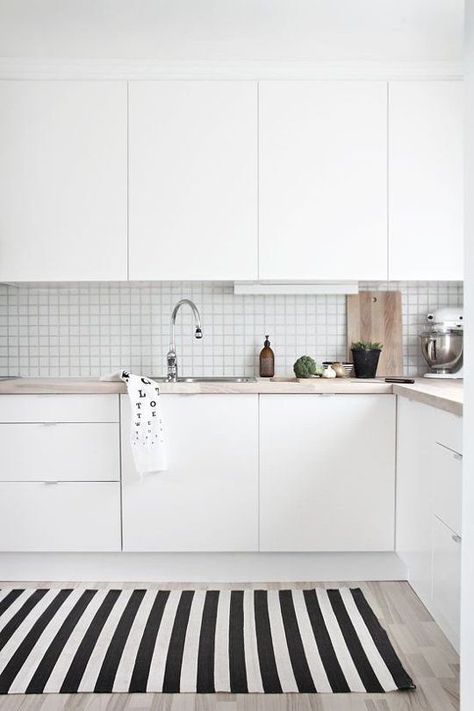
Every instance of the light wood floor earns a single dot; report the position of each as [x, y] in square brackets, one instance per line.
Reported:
[425, 652]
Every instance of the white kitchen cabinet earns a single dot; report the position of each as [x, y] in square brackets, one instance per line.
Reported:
[69, 516]
[429, 496]
[59, 408]
[327, 472]
[193, 180]
[426, 180]
[207, 500]
[60, 437]
[60, 473]
[323, 180]
[63, 180]
[414, 493]
[60, 451]
[446, 603]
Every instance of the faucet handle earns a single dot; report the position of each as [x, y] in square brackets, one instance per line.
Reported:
[172, 363]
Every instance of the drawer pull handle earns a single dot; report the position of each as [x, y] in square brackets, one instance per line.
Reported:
[456, 455]
[456, 538]
[51, 483]
[49, 424]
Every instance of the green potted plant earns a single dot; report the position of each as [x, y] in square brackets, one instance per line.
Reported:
[365, 356]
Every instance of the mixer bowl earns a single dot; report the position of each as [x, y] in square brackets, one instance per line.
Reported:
[442, 350]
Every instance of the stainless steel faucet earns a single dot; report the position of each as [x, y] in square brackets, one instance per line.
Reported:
[171, 357]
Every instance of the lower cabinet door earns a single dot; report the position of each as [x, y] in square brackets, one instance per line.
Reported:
[415, 448]
[62, 516]
[447, 580]
[327, 472]
[207, 499]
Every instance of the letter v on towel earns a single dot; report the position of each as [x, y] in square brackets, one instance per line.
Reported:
[146, 426]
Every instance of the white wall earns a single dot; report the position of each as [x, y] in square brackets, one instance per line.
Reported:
[393, 30]
[467, 615]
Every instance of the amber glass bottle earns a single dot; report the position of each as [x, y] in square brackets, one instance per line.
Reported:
[267, 360]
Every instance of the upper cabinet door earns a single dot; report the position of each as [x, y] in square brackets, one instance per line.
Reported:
[193, 180]
[323, 180]
[426, 180]
[63, 180]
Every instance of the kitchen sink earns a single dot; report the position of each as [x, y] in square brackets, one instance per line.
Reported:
[210, 379]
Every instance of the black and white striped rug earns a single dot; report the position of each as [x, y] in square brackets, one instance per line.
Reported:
[238, 641]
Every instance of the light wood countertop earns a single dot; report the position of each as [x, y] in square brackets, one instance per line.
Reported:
[444, 394]
[58, 386]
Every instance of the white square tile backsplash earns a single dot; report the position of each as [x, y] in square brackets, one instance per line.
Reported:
[96, 328]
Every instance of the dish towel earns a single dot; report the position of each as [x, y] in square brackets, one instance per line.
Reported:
[146, 431]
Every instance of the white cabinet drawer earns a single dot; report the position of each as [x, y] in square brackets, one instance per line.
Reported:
[447, 580]
[447, 429]
[447, 486]
[59, 408]
[62, 451]
[60, 517]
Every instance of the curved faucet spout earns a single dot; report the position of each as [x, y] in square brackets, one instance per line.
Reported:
[171, 357]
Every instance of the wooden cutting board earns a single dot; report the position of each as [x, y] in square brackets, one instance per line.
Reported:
[377, 316]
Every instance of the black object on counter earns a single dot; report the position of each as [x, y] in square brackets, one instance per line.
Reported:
[267, 360]
[400, 380]
[365, 362]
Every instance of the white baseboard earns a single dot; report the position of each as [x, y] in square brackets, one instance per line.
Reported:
[201, 567]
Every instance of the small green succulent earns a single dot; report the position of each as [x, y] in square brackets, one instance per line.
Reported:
[366, 346]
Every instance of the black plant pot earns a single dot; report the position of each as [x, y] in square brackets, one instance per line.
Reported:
[365, 363]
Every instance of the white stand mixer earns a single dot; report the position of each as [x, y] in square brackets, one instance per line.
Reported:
[442, 344]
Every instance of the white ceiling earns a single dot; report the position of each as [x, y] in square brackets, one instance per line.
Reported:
[331, 30]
